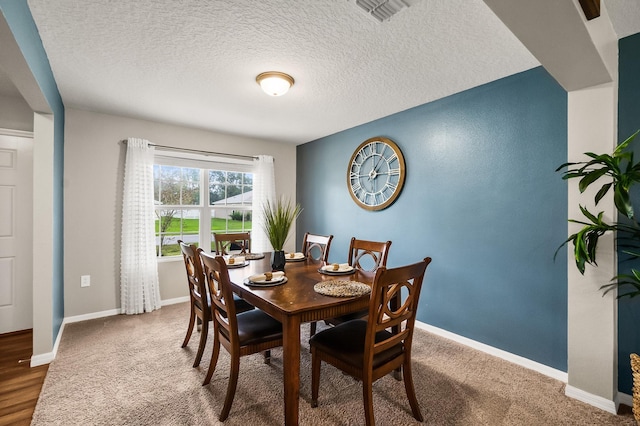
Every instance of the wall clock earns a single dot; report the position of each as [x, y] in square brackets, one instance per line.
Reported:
[376, 173]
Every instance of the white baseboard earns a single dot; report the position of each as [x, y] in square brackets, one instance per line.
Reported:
[93, 315]
[46, 358]
[174, 301]
[591, 399]
[516, 359]
[625, 398]
[570, 391]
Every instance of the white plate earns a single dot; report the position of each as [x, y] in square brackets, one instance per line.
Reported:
[297, 257]
[237, 265]
[261, 279]
[344, 269]
[271, 283]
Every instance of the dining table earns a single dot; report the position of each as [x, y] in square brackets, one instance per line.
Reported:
[293, 303]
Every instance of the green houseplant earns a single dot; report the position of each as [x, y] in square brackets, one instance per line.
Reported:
[279, 215]
[620, 174]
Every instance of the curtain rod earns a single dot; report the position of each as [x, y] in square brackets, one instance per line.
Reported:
[199, 151]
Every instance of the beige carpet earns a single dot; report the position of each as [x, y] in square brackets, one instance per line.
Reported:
[130, 370]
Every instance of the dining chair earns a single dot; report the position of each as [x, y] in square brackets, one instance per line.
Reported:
[199, 308]
[225, 243]
[241, 334]
[365, 349]
[366, 256]
[200, 311]
[316, 247]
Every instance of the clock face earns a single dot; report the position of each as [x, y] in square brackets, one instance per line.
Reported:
[376, 173]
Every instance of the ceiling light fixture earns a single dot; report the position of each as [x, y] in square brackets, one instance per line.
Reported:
[275, 83]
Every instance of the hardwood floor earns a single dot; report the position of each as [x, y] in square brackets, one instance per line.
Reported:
[19, 384]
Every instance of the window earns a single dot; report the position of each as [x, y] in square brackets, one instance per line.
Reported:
[186, 197]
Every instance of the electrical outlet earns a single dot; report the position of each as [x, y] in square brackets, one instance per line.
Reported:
[85, 281]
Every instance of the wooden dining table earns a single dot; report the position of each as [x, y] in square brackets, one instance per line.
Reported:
[294, 303]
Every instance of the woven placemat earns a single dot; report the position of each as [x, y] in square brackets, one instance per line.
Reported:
[635, 369]
[342, 288]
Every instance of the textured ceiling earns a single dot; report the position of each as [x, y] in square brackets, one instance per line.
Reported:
[194, 62]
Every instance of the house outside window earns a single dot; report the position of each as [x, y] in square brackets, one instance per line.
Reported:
[195, 199]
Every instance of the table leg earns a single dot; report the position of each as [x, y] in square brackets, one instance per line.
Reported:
[291, 368]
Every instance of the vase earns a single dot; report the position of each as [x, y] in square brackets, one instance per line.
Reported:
[278, 260]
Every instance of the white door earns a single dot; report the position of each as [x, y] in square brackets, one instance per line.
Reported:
[16, 230]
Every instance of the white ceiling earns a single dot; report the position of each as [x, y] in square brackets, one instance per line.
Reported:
[194, 62]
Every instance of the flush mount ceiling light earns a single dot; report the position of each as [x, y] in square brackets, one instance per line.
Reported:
[275, 83]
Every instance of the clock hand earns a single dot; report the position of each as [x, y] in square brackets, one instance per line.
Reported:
[378, 163]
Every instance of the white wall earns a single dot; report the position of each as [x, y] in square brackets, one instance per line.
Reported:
[93, 179]
[15, 114]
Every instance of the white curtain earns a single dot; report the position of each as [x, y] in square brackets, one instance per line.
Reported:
[139, 287]
[264, 189]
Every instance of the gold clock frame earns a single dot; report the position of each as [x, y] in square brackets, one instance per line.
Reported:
[402, 174]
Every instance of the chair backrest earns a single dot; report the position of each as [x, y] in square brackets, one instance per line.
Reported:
[316, 246]
[368, 255]
[223, 308]
[195, 276]
[384, 312]
[225, 243]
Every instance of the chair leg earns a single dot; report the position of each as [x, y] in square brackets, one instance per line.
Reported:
[367, 396]
[312, 328]
[315, 377]
[192, 320]
[411, 392]
[231, 387]
[199, 324]
[214, 359]
[267, 356]
[397, 374]
[203, 342]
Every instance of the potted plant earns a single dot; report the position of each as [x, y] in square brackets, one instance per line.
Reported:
[278, 218]
[621, 174]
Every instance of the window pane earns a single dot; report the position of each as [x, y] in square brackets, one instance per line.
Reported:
[169, 181]
[216, 193]
[190, 187]
[217, 176]
[219, 217]
[234, 178]
[248, 179]
[232, 194]
[173, 225]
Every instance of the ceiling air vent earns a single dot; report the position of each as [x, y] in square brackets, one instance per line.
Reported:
[382, 10]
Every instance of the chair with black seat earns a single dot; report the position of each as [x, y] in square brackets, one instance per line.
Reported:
[316, 247]
[236, 241]
[199, 308]
[365, 256]
[365, 349]
[199, 304]
[241, 334]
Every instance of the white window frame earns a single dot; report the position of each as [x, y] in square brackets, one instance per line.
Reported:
[204, 163]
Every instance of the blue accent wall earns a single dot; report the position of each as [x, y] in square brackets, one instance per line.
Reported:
[481, 197]
[20, 20]
[628, 123]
